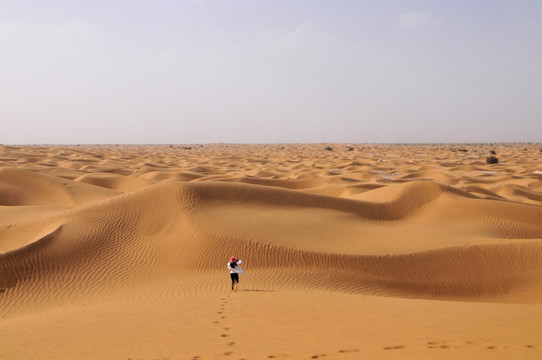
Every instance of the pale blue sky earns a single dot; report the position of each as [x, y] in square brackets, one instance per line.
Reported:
[270, 71]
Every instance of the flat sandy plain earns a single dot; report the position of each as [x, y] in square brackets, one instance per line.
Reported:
[359, 252]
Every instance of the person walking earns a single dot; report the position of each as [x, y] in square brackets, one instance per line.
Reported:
[235, 270]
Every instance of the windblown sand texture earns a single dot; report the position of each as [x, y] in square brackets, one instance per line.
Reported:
[357, 252]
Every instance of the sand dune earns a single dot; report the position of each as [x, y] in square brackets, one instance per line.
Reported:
[113, 181]
[23, 187]
[123, 246]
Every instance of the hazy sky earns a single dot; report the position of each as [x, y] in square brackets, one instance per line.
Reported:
[270, 71]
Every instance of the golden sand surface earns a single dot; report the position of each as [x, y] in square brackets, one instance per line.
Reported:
[350, 251]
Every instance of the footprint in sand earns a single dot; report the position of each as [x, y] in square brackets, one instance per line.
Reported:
[226, 335]
[278, 356]
[442, 344]
[496, 347]
[437, 342]
[222, 308]
[478, 342]
[394, 347]
[344, 351]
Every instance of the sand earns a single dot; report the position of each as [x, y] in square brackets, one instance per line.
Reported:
[351, 252]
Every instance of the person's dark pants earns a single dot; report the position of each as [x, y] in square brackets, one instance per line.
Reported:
[234, 279]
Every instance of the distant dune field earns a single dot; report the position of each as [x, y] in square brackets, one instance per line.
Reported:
[350, 252]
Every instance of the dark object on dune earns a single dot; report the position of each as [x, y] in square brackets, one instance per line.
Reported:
[492, 160]
[459, 150]
[329, 148]
[350, 148]
[492, 152]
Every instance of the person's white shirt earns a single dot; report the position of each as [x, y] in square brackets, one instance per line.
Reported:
[237, 269]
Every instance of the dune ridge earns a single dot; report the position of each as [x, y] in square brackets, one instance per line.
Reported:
[114, 237]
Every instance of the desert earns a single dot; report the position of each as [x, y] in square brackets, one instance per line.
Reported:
[351, 251]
